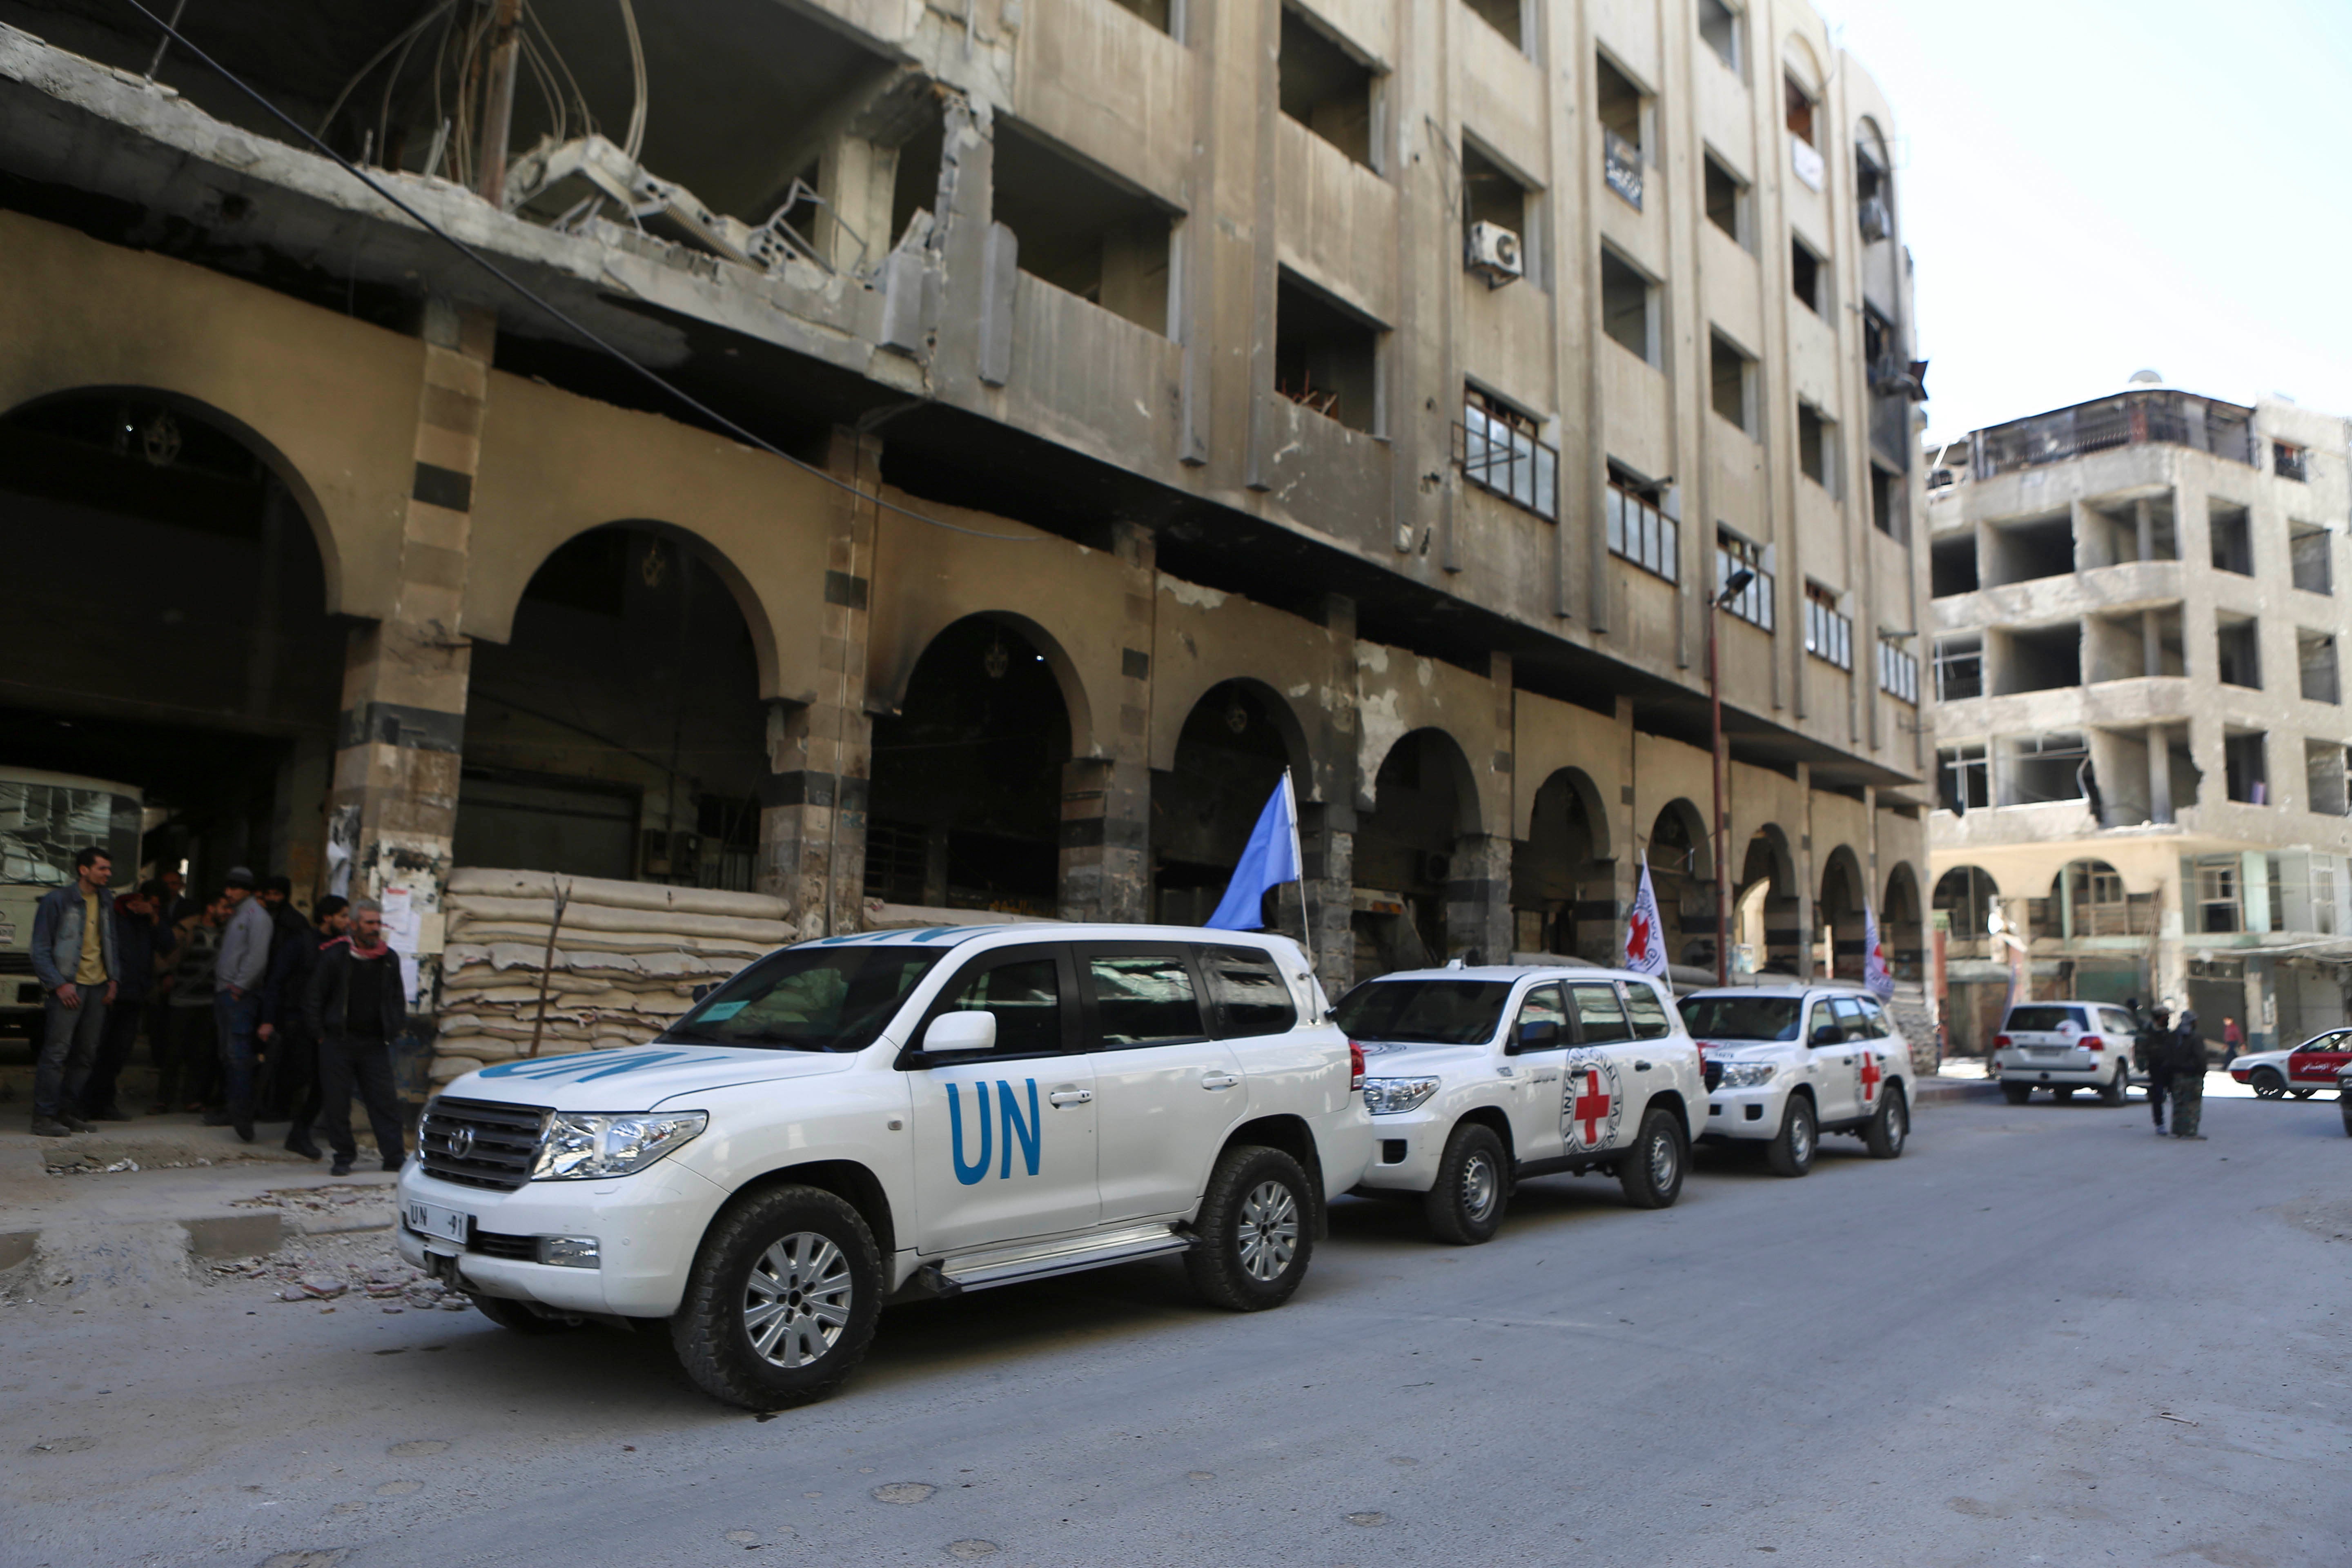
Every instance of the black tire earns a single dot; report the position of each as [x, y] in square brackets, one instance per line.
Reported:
[2344, 1104]
[799, 1250]
[2269, 1084]
[2112, 1091]
[1255, 1230]
[2061, 1092]
[1473, 1189]
[1886, 1134]
[1650, 1174]
[1791, 1151]
[2017, 1093]
[520, 1318]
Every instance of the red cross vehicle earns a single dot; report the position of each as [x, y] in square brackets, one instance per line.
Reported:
[1479, 1078]
[1788, 1063]
[2300, 1072]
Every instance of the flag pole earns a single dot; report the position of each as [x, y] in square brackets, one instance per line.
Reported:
[1298, 858]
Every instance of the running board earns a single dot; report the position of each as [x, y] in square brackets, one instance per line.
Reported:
[1068, 1255]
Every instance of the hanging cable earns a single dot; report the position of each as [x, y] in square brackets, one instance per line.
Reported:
[587, 333]
[635, 141]
[547, 44]
[397, 41]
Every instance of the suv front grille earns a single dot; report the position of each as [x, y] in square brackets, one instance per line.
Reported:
[490, 1244]
[1713, 1076]
[480, 1143]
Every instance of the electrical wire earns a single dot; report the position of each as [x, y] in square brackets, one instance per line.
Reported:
[398, 39]
[587, 333]
[633, 143]
[547, 44]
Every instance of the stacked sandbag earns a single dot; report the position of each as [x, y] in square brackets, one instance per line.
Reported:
[629, 958]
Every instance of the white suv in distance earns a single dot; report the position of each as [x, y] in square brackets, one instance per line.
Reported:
[1788, 1063]
[900, 1113]
[2063, 1046]
[1480, 1078]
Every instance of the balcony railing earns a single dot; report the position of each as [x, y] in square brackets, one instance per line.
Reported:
[1621, 164]
[2133, 420]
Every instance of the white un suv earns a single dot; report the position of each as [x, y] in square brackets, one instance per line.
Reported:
[1788, 1063]
[1480, 1078]
[2063, 1046]
[909, 1113]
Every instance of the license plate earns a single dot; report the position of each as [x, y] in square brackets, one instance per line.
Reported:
[441, 1224]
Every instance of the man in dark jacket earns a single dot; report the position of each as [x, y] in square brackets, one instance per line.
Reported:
[293, 1047]
[139, 937]
[2187, 1078]
[2152, 1054]
[73, 956]
[354, 1007]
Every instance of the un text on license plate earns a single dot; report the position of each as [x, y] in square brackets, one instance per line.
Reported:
[441, 1224]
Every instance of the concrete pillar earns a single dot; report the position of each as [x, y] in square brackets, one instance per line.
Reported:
[2144, 527]
[2151, 643]
[820, 756]
[1330, 851]
[1105, 852]
[2159, 774]
[1806, 888]
[1329, 827]
[392, 802]
[1478, 899]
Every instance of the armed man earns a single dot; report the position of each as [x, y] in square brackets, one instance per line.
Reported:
[2188, 1060]
[2152, 1054]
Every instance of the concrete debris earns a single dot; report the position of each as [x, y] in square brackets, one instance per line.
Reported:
[567, 185]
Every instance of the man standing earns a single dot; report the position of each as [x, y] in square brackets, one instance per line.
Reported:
[2187, 1078]
[2232, 1042]
[237, 998]
[187, 1057]
[2152, 1054]
[73, 954]
[355, 1008]
[137, 937]
[293, 1048]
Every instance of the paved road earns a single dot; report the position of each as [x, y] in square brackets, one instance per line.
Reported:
[2043, 1336]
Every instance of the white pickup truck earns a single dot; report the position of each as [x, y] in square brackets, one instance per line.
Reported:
[900, 1114]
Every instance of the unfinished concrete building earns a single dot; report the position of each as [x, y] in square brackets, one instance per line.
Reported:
[1155, 394]
[2140, 724]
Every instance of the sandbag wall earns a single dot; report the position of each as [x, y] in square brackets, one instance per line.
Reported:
[628, 959]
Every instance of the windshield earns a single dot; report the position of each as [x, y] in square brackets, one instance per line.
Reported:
[1741, 1017]
[808, 999]
[1425, 1012]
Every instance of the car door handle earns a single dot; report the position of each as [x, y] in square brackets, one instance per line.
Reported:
[1062, 1097]
[1218, 1080]
[1641, 1066]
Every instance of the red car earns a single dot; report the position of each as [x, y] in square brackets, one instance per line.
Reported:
[2308, 1067]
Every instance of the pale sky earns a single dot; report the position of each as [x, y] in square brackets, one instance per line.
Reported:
[2089, 187]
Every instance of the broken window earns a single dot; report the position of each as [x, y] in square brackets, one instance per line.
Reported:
[1718, 26]
[1504, 17]
[2237, 643]
[1637, 526]
[1503, 452]
[2324, 776]
[1960, 667]
[1621, 104]
[1752, 604]
[1327, 89]
[1829, 631]
[1872, 213]
[2311, 553]
[1817, 447]
[2319, 666]
[1727, 200]
[1493, 194]
[1887, 513]
[1952, 566]
[2233, 538]
[1325, 357]
[1898, 671]
[2217, 893]
[2039, 658]
[1805, 275]
[1963, 779]
[1731, 375]
[2044, 768]
[2288, 461]
[1629, 306]
[2024, 552]
[2244, 758]
[1079, 231]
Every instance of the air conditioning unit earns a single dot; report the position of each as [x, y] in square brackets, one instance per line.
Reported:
[1876, 221]
[1493, 253]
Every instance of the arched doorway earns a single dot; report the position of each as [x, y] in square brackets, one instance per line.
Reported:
[1766, 930]
[1563, 885]
[168, 628]
[967, 777]
[2088, 902]
[618, 732]
[1682, 873]
[1839, 916]
[1424, 812]
[1901, 926]
[1967, 895]
[1231, 755]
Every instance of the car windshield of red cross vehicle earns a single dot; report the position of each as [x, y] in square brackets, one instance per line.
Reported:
[1741, 1017]
[1425, 1012]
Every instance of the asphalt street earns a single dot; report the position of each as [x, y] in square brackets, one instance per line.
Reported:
[2043, 1336]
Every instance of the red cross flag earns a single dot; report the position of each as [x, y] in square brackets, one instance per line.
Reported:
[1876, 977]
[1646, 938]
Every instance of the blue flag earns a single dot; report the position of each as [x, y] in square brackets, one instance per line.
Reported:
[1270, 860]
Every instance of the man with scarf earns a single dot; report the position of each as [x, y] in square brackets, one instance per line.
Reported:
[355, 1010]
[293, 1048]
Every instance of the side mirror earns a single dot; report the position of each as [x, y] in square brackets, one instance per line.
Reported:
[962, 1032]
[1540, 1035]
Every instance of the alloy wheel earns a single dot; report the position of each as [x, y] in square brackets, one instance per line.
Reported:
[796, 1302]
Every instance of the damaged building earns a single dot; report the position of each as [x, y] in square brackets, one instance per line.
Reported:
[959, 457]
[2140, 729]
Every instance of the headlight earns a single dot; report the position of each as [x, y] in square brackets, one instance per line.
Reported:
[1747, 1075]
[1388, 1095]
[580, 1146]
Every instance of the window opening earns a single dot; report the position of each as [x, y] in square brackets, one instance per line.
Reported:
[1494, 197]
[1629, 306]
[1898, 671]
[2238, 655]
[2316, 661]
[1964, 778]
[1805, 275]
[2217, 894]
[2025, 551]
[1718, 25]
[2325, 778]
[1638, 527]
[1817, 447]
[1504, 17]
[1799, 111]
[1960, 667]
[1501, 451]
[1804, 156]
[1105, 243]
[1872, 210]
[1730, 374]
[2323, 895]
[2038, 658]
[2311, 554]
[1326, 88]
[2232, 535]
[1727, 200]
[2246, 766]
[1829, 631]
[2044, 768]
[2290, 461]
[1158, 13]
[1754, 603]
[1326, 358]
[1620, 104]
[1887, 513]
[1952, 566]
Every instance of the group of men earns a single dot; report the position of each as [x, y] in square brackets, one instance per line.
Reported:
[251, 1010]
[2172, 1058]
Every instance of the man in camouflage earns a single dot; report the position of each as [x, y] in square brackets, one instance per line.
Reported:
[2188, 1057]
[2152, 1054]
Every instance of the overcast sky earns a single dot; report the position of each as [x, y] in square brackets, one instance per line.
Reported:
[2092, 186]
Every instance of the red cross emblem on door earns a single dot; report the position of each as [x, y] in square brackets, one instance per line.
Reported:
[1870, 1077]
[1591, 1105]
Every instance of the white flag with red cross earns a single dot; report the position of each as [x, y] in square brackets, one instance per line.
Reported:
[1876, 977]
[1645, 937]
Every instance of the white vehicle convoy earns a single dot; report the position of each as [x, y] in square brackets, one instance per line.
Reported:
[2063, 1046]
[1788, 1063]
[1479, 1078]
[916, 1113]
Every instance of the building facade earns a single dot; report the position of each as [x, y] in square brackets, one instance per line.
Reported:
[1148, 398]
[2140, 730]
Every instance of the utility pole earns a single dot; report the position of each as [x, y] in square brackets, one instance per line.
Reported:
[497, 102]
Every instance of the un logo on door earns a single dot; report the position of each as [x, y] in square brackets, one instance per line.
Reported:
[1030, 1134]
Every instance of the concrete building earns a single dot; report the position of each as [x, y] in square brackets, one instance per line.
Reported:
[2139, 723]
[1163, 393]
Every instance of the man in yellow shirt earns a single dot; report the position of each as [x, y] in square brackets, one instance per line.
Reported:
[73, 954]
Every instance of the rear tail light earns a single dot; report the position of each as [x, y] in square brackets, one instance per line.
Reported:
[2092, 1043]
[1355, 1066]
[2000, 1042]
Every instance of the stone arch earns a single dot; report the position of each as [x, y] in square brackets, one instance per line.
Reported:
[1680, 857]
[1903, 923]
[1236, 739]
[1174, 701]
[1067, 674]
[1764, 920]
[1839, 910]
[1684, 827]
[1441, 746]
[1800, 60]
[1967, 894]
[1564, 877]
